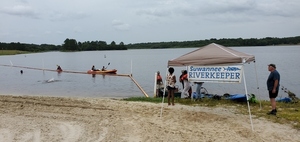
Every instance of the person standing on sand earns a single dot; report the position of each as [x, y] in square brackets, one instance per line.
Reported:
[171, 79]
[273, 87]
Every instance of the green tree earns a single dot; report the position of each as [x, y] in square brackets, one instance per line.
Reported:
[70, 45]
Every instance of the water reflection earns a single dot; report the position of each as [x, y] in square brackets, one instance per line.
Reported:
[94, 77]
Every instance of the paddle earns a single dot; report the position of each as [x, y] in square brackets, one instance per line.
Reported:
[107, 65]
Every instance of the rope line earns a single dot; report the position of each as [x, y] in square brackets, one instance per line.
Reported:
[80, 72]
[65, 71]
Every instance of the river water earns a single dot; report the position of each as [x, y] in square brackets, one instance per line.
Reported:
[142, 64]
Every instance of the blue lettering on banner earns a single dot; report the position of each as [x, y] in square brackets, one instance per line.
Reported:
[215, 73]
[231, 69]
[212, 74]
[218, 75]
[205, 68]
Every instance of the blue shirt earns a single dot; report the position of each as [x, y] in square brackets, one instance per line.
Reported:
[274, 75]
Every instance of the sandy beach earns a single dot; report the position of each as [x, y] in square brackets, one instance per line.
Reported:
[55, 119]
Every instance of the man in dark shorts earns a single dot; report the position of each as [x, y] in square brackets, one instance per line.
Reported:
[273, 87]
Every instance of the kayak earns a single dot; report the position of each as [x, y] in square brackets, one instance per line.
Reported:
[285, 100]
[101, 72]
[237, 97]
[59, 70]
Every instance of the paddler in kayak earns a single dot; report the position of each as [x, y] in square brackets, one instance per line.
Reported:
[94, 69]
[58, 68]
[103, 68]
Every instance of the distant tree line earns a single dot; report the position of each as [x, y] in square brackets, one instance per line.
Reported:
[73, 45]
[28, 47]
[224, 41]
[68, 45]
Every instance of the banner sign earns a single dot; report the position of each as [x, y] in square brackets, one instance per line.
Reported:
[220, 74]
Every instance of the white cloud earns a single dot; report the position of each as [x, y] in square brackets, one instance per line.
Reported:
[119, 25]
[21, 10]
[77, 29]
[59, 32]
[222, 10]
[158, 20]
[66, 16]
[48, 32]
[158, 12]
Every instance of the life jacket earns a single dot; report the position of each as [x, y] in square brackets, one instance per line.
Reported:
[158, 77]
[184, 77]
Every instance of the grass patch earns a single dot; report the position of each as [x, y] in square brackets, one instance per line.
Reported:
[12, 52]
[288, 113]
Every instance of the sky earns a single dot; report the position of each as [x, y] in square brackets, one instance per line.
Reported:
[143, 21]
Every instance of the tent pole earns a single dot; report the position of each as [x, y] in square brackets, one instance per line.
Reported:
[155, 83]
[131, 67]
[162, 103]
[247, 98]
[257, 86]
[187, 67]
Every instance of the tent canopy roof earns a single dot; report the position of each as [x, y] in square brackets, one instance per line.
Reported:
[212, 54]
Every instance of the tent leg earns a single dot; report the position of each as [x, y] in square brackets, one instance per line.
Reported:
[162, 103]
[247, 100]
[258, 94]
[155, 83]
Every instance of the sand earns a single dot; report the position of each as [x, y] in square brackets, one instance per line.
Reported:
[55, 119]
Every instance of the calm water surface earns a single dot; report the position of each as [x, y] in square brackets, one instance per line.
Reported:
[143, 64]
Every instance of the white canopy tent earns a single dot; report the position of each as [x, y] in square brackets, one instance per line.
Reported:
[214, 55]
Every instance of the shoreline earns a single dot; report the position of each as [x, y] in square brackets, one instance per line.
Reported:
[41, 118]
